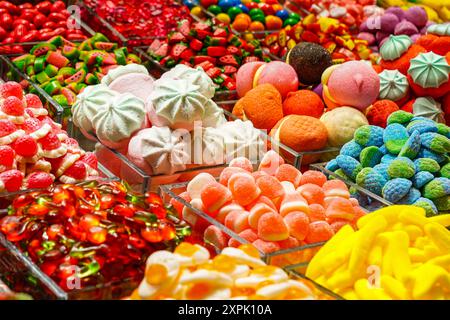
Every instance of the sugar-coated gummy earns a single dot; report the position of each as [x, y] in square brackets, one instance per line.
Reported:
[395, 136]
[443, 203]
[382, 169]
[422, 126]
[435, 142]
[426, 153]
[340, 173]
[412, 146]
[445, 171]
[428, 205]
[332, 165]
[422, 178]
[426, 164]
[443, 129]
[396, 189]
[412, 196]
[401, 167]
[369, 135]
[399, 117]
[437, 188]
[370, 156]
[352, 149]
[349, 165]
[383, 149]
[370, 179]
[388, 158]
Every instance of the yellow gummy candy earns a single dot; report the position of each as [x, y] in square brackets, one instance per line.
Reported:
[439, 235]
[342, 279]
[417, 255]
[413, 232]
[394, 288]
[431, 251]
[366, 292]
[389, 213]
[375, 255]
[442, 261]
[412, 217]
[421, 242]
[396, 261]
[442, 219]
[428, 277]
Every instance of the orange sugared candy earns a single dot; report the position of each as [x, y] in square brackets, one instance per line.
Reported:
[340, 208]
[214, 196]
[271, 227]
[228, 172]
[256, 212]
[216, 237]
[312, 193]
[303, 102]
[316, 212]
[270, 162]
[270, 187]
[242, 163]
[298, 224]
[247, 234]
[266, 246]
[314, 177]
[335, 188]
[243, 188]
[178, 206]
[287, 172]
[319, 231]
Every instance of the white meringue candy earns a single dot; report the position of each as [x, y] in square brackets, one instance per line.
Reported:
[123, 70]
[164, 151]
[91, 101]
[429, 108]
[195, 76]
[117, 121]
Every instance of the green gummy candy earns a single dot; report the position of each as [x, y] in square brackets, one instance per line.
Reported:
[340, 173]
[443, 129]
[400, 169]
[370, 156]
[395, 146]
[445, 171]
[443, 203]
[42, 77]
[434, 190]
[61, 100]
[427, 164]
[53, 87]
[39, 64]
[400, 116]
[51, 70]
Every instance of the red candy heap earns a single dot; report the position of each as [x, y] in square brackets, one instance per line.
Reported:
[97, 232]
[34, 151]
[28, 23]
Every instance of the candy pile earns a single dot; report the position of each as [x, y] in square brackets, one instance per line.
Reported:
[328, 32]
[96, 232]
[40, 22]
[276, 207]
[236, 273]
[212, 47]
[406, 163]
[395, 21]
[397, 253]
[34, 151]
[140, 21]
[64, 68]
[437, 11]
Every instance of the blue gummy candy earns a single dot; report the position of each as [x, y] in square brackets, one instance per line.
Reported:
[332, 165]
[352, 149]
[396, 189]
[388, 158]
[412, 196]
[422, 178]
[382, 169]
[349, 165]
[412, 147]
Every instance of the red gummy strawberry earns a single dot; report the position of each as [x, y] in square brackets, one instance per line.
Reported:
[6, 127]
[11, 180]
[26, 146]
[7, 156]
[31, 125]
[39, 180]
[13, 106]
[11, 88]
[50, 142]
[76, 171]
[90, 159]
[55, 126]
[33, 101]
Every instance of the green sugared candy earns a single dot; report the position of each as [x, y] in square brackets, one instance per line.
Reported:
[445, 171]
[443, 129]
[442, 204]
[341, 173]
[401, 168]
[436, 188]
[426, 164]
[370, 156]
[400, 116]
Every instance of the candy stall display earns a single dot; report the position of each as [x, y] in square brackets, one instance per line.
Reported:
[90, 237]
[27, 23]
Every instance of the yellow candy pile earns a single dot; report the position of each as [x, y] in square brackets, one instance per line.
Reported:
[237, 273]
[396, 253]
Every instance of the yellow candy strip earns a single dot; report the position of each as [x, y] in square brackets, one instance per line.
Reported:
[376, 255]
[442, 219]
[364, 292]
[439, 235]
[427, 277]
[394, 288]
[431, 251]
[413, 232]
[417, 255]
[363, 243]
[314, 267]
[442, 261]
[338, 257]
[412, 217]
[401, 263]
[389, 213]
[342, 279]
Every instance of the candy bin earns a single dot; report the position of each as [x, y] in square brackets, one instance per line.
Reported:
[89, 240]
[135, 23]
[25, 23]
[210, 45]
[62, 68]
[234, 274]
[287, 215]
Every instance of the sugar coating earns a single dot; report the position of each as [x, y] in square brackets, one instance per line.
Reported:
[426, 164]
[412, 196]
[352, 149]
[445, 171]
[370, 156]
[443, 203]
[400, 117]
[428, 205]
[371, 180]
[396, 189]
[395, 136]
[401, 167]
[421, 126]
[422, 178]
[437, 188]
[349, 165]
[435, 142]
[412, 146]
[369, 135]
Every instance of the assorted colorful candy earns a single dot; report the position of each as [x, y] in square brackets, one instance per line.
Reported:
[405, 163]
[274, 208]
[33, 23]
[437, 11]
[236, 273]
[34, 150]
[328, 32]
[92, 233]
[397, 253]
[213, 47]
[63, 68]
[140, 21]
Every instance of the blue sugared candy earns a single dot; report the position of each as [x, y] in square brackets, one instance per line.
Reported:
[412, 196]
[349, 165]
[395, 136]
[422, 126]
[332, 165]
[428, 205]
[435, 142]
[422, 178]
[412, 146]
[396, 189]
[369, 135]
[351, 149]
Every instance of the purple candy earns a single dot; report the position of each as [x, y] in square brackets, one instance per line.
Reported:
[370, 38]
[388, 22]
[397, 11]
[414, 37]
[363, 27]
[375, 48]
[405, 27]
[318, 90]
[373, 23]
[380, 36]
[417, 15]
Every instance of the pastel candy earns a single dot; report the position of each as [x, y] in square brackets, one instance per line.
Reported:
[351, 149]
[422, 178]
[214, 196]
[401, 167]
[256, 212]
[382, 169]
[335, 188]
[332, 165]
[412, 196]
[437, 188]
[426, 164]
[400, 117]
[435, 142]
[196, 185]
[371, 180]
[349, 165]
[445, 171]
[412, 146]
[428, 205]
[388, 158]
[370, 156]
[243, 188]
[443, 129]
[396, 189]
[394, 137]
[442, 204]
[369, 135]
[421, 126]
[426, 153]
